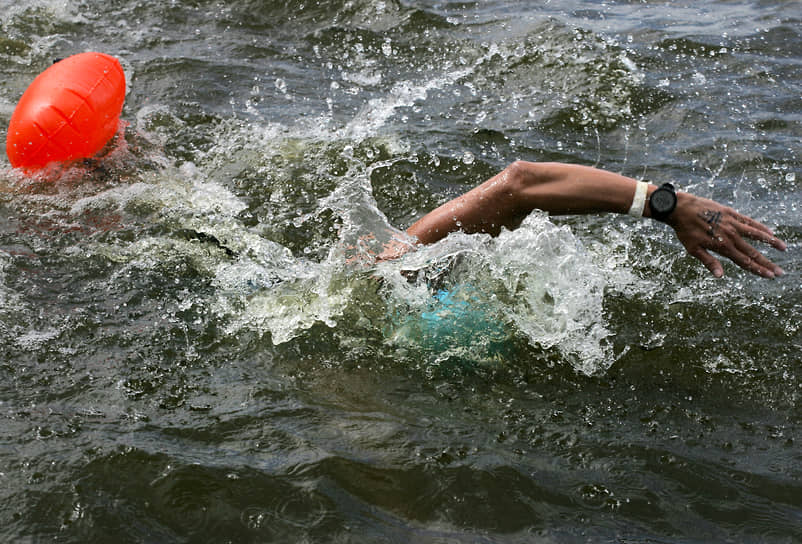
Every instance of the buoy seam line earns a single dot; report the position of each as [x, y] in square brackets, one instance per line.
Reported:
[83, 98]
[67, 119]
[105, 76]
[53, 142]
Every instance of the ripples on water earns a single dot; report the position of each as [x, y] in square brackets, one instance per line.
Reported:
[198, 347]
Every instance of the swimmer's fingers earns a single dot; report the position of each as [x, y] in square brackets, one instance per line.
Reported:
[739, 252]
[757, 231]
[394, 249]
[703, 225]
[748, 258]
[710, 262]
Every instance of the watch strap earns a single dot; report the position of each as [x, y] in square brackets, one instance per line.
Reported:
[639, 200]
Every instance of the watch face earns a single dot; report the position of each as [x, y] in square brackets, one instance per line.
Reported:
[663, 200]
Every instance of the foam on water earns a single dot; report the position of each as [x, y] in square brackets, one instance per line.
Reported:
[10, 302]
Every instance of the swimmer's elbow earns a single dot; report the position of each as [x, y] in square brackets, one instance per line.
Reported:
[524, 175]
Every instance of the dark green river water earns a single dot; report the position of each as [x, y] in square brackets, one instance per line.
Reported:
[197, 347]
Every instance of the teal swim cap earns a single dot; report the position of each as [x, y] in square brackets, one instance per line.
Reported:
[457, 323]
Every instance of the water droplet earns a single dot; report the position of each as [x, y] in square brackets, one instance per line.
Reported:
[699, 78]
[790, 176]
[468, 158]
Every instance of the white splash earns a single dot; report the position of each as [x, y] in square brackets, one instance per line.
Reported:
[538, 278]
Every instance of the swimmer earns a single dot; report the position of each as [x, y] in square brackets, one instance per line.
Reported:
[700, 224]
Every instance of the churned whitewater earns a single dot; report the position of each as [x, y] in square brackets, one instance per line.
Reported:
[198, 344]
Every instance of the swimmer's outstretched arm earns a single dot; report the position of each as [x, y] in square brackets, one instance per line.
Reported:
[700, 224]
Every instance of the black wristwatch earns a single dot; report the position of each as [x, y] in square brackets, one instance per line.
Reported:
[662, 202]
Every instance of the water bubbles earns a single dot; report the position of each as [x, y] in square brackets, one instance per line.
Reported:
[468, 158]
[33, 339]
[790, 177]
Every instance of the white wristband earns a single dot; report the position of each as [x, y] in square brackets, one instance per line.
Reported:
[639, 200]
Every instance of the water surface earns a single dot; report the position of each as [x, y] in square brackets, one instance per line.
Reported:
[197, 346]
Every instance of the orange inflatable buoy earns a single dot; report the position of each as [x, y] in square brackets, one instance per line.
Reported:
[68, 112]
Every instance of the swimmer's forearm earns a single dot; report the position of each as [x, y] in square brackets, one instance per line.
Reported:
[505, 199]
[562, 189]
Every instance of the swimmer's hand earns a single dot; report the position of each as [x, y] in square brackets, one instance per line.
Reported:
[394, 249]
[703, 225]
[362, 253]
